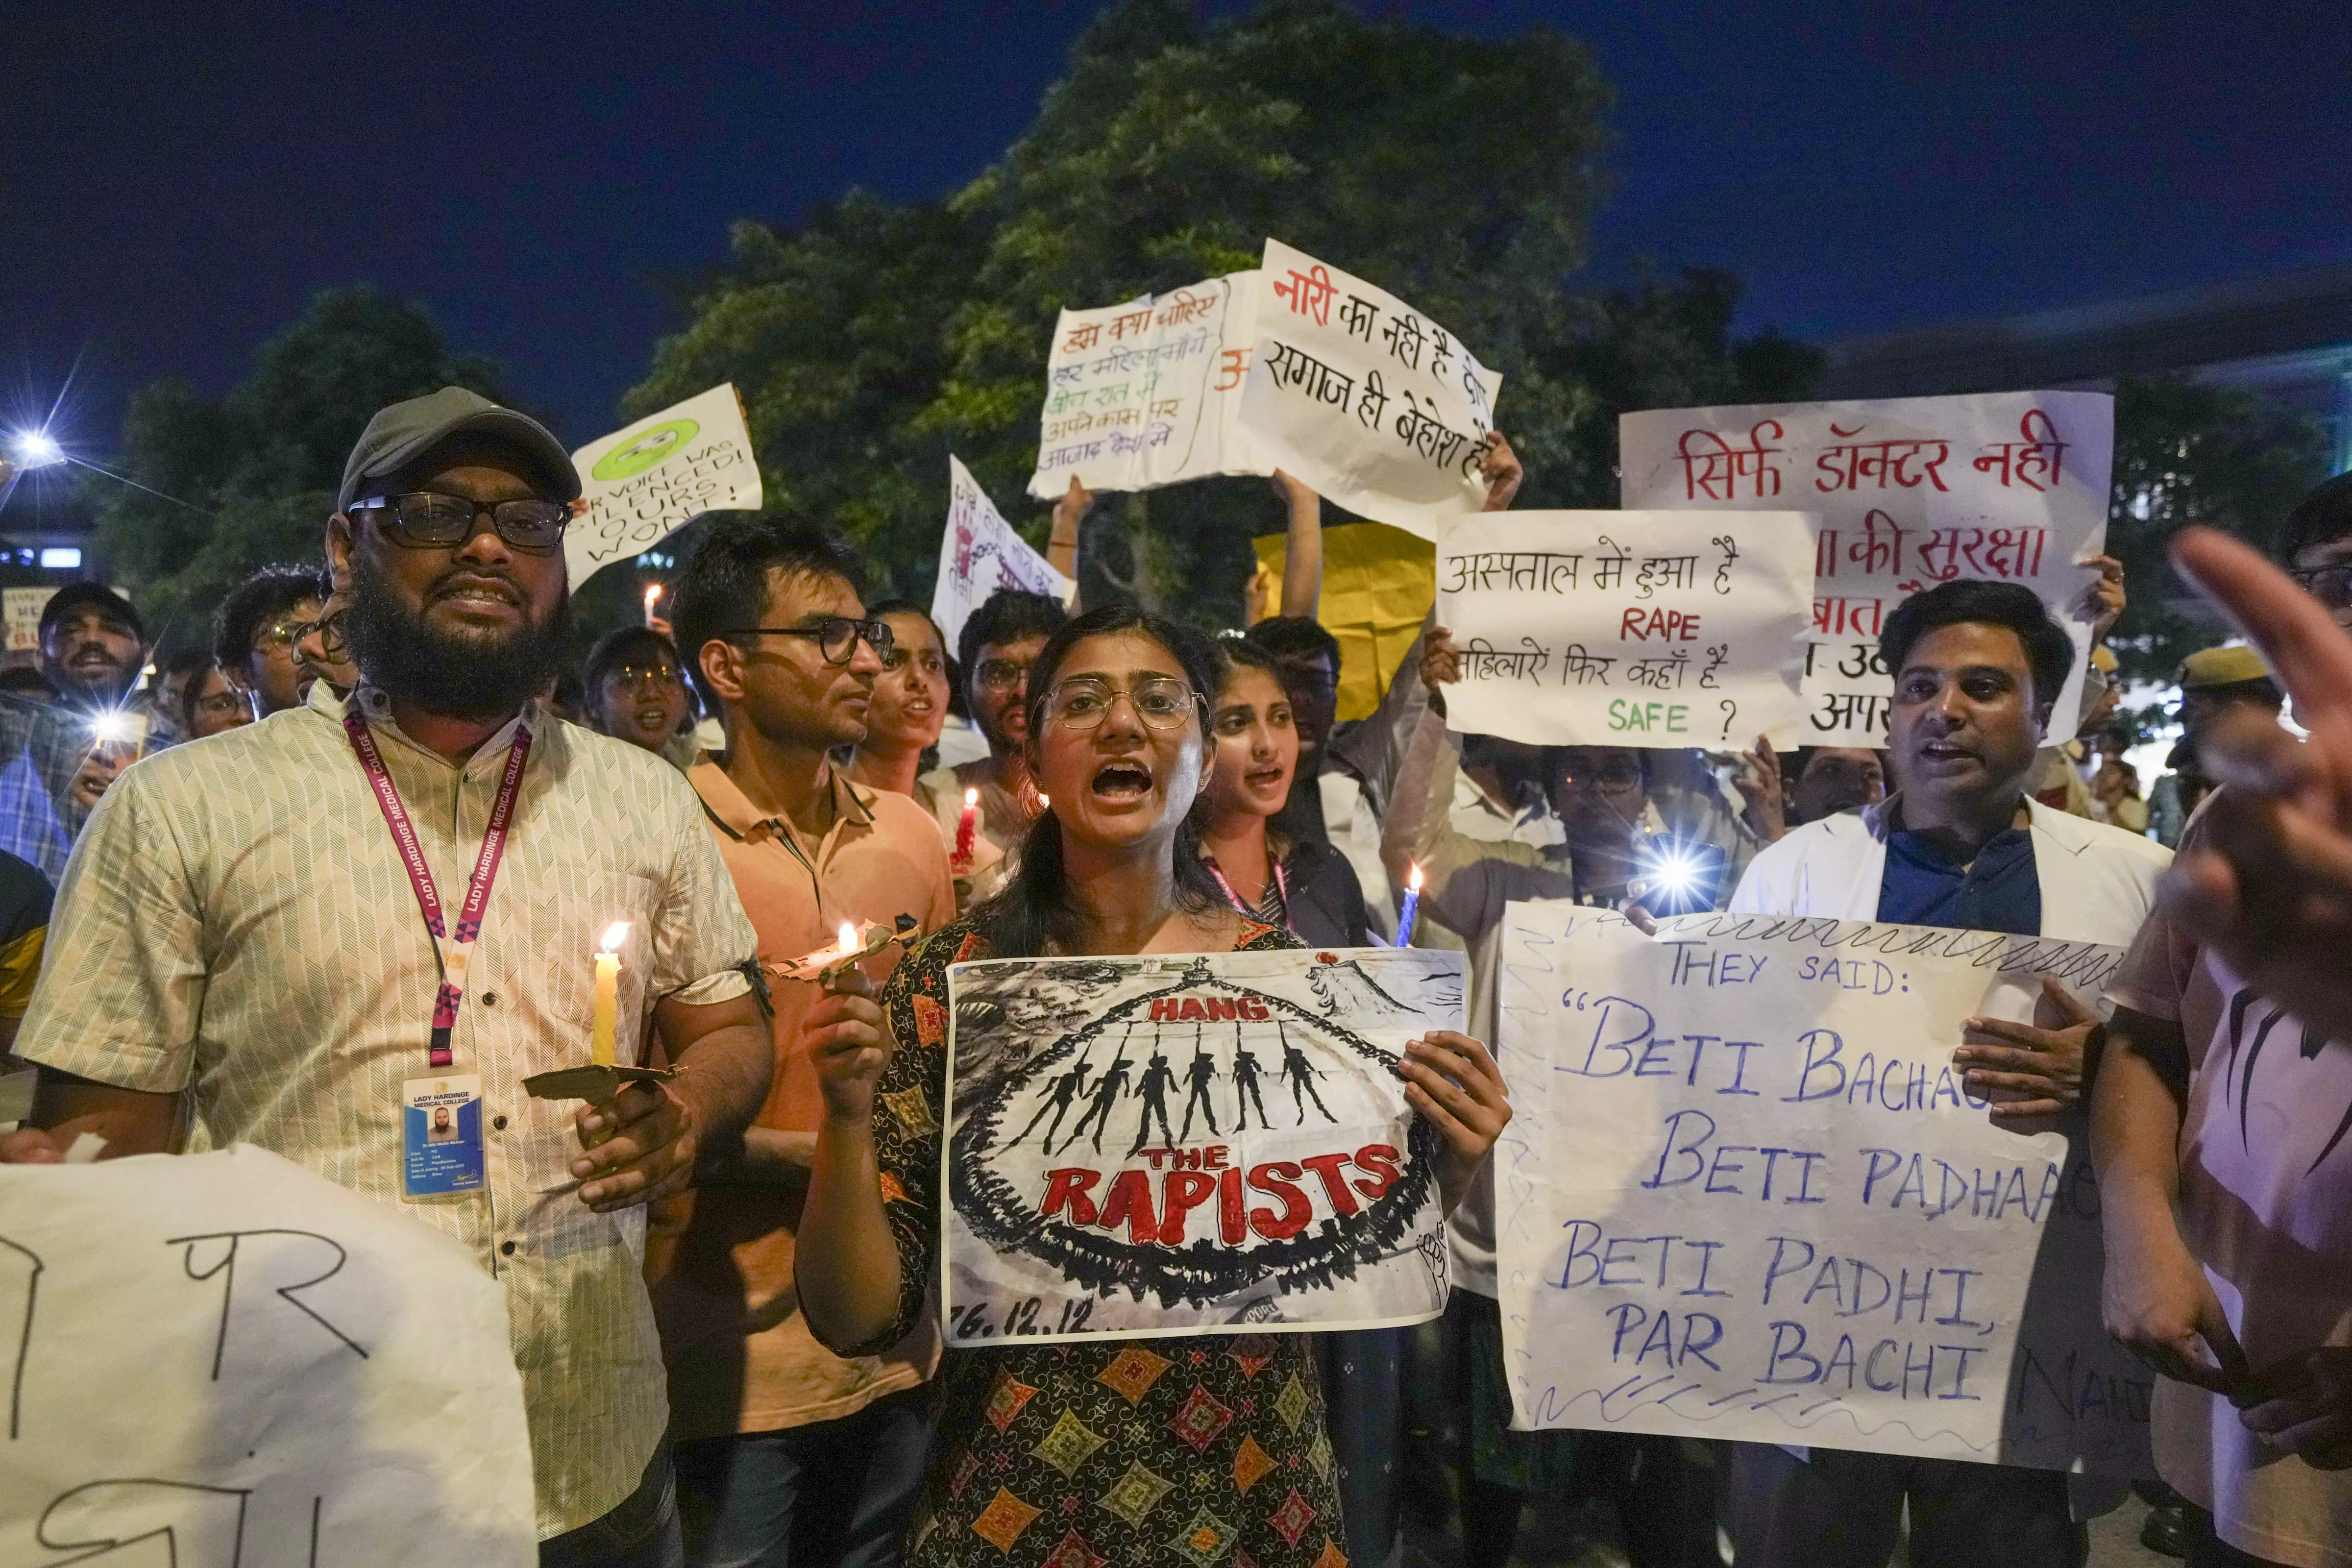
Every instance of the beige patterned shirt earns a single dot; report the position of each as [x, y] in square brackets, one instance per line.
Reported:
[236, 918]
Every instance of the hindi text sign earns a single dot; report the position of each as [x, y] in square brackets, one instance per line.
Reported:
[1745, 1194]
[1375, 406]
[642, 484]
[981, 553]
[1910, 492]
[1190, 1144]
[1613, 628]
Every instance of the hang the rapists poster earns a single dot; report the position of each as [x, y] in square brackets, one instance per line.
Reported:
[1746, 1194]
[643, 483]
[981, 553]
[1190, 1144]
[1149, 392]
[1909, 492]
[1375, 406]
[1618, 628]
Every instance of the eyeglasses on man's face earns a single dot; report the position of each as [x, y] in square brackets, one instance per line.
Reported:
[1000, 674]
[1616, 774]
[836, 636]
[279, 636]
[1084, 701]
[2330, 585]
[423, 520]
[660, 677]
[328, 630]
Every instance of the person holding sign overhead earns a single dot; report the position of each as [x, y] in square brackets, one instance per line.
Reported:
[1112, 1450]
[1960, 843]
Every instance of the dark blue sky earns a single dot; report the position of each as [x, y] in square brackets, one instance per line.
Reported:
[175, 179]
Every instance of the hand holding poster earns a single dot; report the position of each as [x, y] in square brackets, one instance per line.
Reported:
[1617, 628]
[1745, 1194]
[1376, 408]
[644, 483]
[2008, 487]
[980, 553]
[1149, 392]
[227, 1351]
[1186, 1145]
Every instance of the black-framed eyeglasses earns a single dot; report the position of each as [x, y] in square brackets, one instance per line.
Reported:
[329, 632]
[424, 520]
[1084, 701]
[2330, 585]
[999, 674]
[1616, 774]
[836, 636]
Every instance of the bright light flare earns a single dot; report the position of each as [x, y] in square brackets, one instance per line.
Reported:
[112, 729]
[972, 798]
[1414, 881]
[848, 938]
[614, 935]
[38, 449]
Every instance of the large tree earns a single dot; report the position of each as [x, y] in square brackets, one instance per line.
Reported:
[248, 478]
[1458, 173]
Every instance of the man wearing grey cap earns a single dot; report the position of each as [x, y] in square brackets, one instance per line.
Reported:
[239, 920]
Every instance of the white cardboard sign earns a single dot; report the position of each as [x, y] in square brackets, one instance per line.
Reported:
[643, 483]
[981, 553]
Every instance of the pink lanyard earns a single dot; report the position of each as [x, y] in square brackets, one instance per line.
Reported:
[1281, 886]
[449, 957]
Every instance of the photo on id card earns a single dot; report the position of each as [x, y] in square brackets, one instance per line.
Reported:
[441, 1136]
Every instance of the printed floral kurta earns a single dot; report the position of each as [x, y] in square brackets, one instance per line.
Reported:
[1185, 1453]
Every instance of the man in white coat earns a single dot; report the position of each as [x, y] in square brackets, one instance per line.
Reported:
[1960, 844]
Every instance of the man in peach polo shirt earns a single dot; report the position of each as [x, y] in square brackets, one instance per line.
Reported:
[786, 1453]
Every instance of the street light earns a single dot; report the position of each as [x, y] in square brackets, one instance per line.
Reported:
[36, 450]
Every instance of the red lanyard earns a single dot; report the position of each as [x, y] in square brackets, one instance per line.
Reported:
[449, 957]
[1281, 886]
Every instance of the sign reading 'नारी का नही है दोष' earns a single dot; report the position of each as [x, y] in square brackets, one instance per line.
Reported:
[2008, 487]
[981, 553]
[1622, 628]
[643, 483]
[1149, 392]
[227, 1351]
[1745, 1193]
[1191, 1144]
[1369, 402]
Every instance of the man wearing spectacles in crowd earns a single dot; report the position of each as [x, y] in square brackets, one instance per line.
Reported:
[255, 630]
[636, 692]
[998, 644]
[788, 1453]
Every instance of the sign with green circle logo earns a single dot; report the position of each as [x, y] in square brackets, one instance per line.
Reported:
[644, 449]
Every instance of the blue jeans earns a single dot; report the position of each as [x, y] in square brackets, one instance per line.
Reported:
[833, 1492]
[640, 1533]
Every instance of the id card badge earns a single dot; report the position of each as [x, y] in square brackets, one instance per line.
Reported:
[441, 1137]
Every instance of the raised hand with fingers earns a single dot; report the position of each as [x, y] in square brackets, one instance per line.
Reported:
[2031, 1069]
[849, 1043]
[1501, 469]
[1457, 1089]
[1768, 807]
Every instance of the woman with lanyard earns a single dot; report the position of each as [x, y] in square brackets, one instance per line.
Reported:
[1309, 888]
[1116, 739]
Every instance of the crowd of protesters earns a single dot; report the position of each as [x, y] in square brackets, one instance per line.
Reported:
[729, 1340]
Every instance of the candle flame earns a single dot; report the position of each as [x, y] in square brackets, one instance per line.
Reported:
[1044, 801]
[970, 798]
[1414, 881]
[848, 937]
[614, 935]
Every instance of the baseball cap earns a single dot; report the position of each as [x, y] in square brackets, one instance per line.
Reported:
[404, 431]
[81, 595]
[2221, 666]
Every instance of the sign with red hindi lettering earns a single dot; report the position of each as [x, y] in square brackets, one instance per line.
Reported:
[1149, 392]
[1190, 1144]
[981, 553]
[1907, 493]
[1377, 407]
[1626, 629]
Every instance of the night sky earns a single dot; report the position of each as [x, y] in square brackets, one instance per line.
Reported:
[174, 180]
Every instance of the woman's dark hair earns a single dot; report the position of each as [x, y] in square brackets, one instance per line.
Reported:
[1238, 654]
[2048, 649]
[1032, 912]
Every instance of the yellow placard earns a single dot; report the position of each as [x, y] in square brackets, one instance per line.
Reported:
[1379, 583]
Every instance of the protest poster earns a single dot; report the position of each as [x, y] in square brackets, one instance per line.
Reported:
[1149, 392]
[1190, 1144]
[22, 608]
[980, 553]
[1377, 408]
[1745, 1194]
[1623, 628]
[1378, 585]
[228, 1352]
[1909, 492]
[643, 483]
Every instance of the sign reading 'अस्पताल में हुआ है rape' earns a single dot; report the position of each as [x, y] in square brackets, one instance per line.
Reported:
[981, 553]
[643, 483]
[1746, 1194]
[2007, 487]
[1373, 406]
[1149, 392]
[1191, 1144]
[1616, 628]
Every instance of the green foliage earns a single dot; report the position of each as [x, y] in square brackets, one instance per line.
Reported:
[257, 469]
[2186, 451]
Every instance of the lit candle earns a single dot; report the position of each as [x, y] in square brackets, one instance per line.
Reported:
[1044, 801]
[1411, 904]
[848, 942]
[608, 995]
[652, 597]
[964, 827]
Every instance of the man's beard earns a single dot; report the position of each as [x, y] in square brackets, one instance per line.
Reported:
[465, 677]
